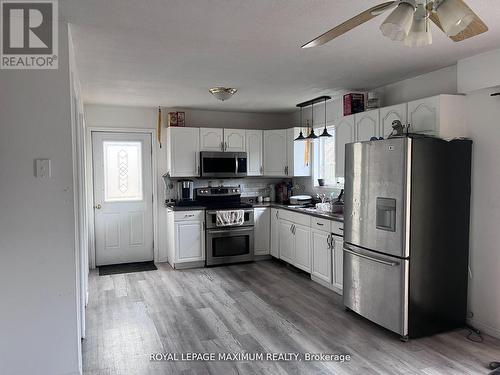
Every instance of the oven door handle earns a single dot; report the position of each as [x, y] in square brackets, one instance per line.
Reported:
[234, 209]
[228, 231]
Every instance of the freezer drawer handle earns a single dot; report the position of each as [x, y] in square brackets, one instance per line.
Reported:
[392, 264]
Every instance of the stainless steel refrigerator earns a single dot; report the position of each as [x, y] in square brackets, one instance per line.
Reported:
[406, 233]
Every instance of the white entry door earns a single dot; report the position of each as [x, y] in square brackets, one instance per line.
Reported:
[123, 197]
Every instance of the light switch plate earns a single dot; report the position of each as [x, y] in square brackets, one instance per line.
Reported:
[43, 168]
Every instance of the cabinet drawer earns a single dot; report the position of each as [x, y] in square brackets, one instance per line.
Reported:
[337, 228]
[321, 224]
[295, 217]
[197, 215]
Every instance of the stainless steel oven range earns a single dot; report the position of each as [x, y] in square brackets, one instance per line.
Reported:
[231, 243]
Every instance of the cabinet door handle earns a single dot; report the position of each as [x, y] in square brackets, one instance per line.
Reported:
[277, 214]
[261, 169]
[320, 224]
[225, 146]
[221, 146]
[328, 241]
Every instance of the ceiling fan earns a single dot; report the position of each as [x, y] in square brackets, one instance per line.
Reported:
[409, 22]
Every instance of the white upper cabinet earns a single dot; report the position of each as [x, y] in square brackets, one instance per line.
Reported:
[254, 149]
[367, 125]
[262, 217]
[275, 155]
[211, 139]
[234, 140]
[344, 133]
[183, 151]
[441, 115]
[298, 162]
[423, 115]
[390, 114]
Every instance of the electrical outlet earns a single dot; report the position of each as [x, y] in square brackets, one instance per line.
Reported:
[43, 168]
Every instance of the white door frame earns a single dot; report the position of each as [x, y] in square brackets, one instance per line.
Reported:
[90, 185]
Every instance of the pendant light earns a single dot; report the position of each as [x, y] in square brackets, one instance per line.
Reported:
[312, 135]
[325, 131]
[301, 136]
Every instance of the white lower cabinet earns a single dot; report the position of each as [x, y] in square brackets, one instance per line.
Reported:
[294, 240]
[321, 255]
[185, 238]
[338, 261]
[302, 238]
[262, 218]
[286, 241]
[275, 250]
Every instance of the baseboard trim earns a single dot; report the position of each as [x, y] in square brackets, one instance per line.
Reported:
[484, 328]
[258, 258]
[326, 285]
[186, 265]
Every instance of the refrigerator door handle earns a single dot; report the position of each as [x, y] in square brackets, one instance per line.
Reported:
[387, 263]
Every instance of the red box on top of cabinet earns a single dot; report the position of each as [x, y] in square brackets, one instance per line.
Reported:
[354, 103]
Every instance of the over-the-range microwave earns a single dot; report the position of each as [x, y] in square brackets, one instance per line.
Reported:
[223, 164]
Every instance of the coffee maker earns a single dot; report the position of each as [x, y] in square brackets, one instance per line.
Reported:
[185, 190]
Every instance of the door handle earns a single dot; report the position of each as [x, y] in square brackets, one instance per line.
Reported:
[222, 146]
[385, 262]
[225, 146]
[98, 206]
[277, 214]
[328, 241]
[261, 169]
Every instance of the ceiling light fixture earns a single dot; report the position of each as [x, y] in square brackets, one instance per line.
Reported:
[325, 131]
[454, 16]
[222, 93]
[420, 32]
[301, 136]
[397, 25]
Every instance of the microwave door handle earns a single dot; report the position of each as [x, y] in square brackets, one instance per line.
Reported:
[236, 159]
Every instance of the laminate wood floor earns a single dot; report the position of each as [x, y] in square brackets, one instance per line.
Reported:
[257, 307]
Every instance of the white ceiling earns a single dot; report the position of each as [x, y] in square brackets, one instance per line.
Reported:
[169, 52]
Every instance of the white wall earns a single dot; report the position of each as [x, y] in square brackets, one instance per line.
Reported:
[483, 116]
[479, 72]
[442, 81]
[238, 120]
[38, 274]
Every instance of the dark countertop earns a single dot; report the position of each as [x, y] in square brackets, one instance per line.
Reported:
[322, 215]
[186, 208]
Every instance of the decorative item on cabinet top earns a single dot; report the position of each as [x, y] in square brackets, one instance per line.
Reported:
[176, 119]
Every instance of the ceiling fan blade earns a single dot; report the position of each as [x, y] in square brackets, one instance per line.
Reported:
[350, 24]
[476, 27]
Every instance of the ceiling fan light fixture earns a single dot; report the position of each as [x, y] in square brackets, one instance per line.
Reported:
[222, 93]
[398, 24]
[454, 16]
[420, 32]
